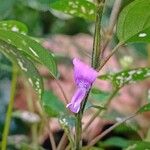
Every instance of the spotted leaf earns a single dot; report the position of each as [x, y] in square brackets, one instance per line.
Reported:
[31, 48]
[15, 26]
[26, 66]
[78, 8]
[133, 23]
[128, 76]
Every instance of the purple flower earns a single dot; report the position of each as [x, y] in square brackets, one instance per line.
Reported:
[84, 76]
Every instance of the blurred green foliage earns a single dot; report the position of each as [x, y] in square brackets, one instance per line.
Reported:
[41, 22]
[39, 18]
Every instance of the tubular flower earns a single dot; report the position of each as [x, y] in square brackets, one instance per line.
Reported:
[84, 76]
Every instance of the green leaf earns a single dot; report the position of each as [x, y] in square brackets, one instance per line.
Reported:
[6, 8]
[125, 3]
[78, 8]
[142, 36]
[67, 120]
[26, 66]
[31, 48]
[90, 105]
[133, 23]
[144, 108]
[14, 26]
[116, 141]
[52, 105]
[138, 145]
[99, 95]
[128, 76]
[37, 4]
[130, 130]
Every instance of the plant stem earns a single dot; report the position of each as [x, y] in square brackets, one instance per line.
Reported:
[91, 120]
[62, 91]
[99, 111]
[95, 64]
[63, 142]
[96, 139]
[97, 36]
[109, 56]
[112, 22]
[10, 107]
[34, 127]
[52, 140]
[78, 140]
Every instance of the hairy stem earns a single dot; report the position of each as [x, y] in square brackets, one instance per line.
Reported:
[10, 107]
[97, 36]
[78, 140]
[95, 64]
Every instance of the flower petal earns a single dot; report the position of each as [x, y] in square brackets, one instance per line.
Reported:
[79, 95]
[83, 72]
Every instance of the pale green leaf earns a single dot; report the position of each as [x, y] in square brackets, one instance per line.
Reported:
[128, 76]
[78, 8]
[13, 25]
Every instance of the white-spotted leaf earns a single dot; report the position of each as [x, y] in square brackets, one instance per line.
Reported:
[134, 22]
[142, 36]
[31, 48]
[128, 76]
[78, 8]
[25, 65]
[15, 26]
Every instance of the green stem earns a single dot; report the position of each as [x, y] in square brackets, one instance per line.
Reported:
[97, 36]
[99, 111]
[97, 138]
[95, 64]
[110, 55]
[34, 127]
[78, 139]
[10, 107]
